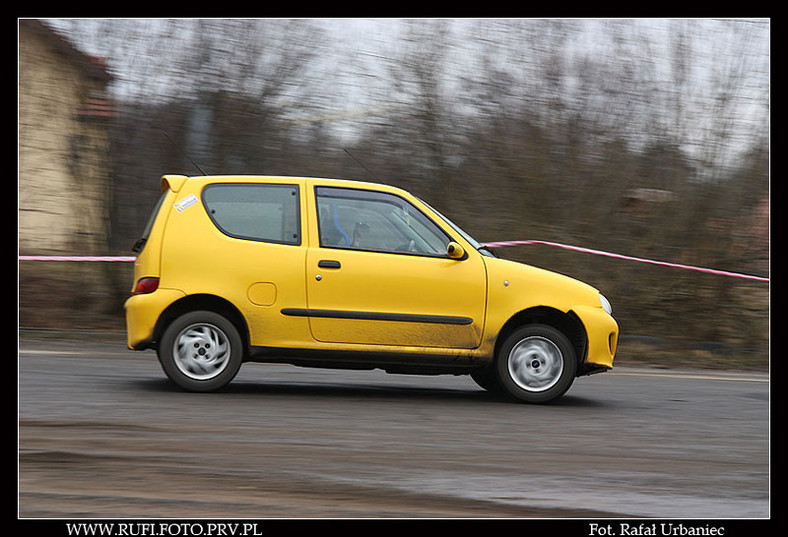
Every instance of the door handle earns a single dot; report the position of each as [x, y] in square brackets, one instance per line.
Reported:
[326, 263]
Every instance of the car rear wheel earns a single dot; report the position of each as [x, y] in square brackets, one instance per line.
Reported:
[201, 351]
[536, 364]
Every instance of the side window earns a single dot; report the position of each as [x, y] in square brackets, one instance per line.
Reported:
[376, 221]
[255, 212]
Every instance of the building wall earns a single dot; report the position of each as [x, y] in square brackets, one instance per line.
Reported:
[63, 183]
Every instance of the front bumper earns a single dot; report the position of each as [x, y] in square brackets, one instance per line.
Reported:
[602, 332]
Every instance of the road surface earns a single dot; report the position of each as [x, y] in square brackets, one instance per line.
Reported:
[102, 433]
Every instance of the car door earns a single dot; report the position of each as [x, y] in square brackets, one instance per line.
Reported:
[380, 275]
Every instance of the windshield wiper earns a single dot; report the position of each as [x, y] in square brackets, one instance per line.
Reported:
[139, 244]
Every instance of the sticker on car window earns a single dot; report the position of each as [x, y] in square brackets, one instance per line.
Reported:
[185, 203]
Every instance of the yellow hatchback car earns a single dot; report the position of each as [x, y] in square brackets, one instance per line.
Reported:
[333, 273]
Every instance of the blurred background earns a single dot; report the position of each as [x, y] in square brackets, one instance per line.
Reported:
[643, 137]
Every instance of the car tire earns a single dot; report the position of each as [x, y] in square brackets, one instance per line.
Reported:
[536, 364]
[201, 351]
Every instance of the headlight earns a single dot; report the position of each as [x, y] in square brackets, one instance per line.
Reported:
[605, 304]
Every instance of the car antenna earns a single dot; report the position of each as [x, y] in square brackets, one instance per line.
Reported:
[184, 153]
[362, 165]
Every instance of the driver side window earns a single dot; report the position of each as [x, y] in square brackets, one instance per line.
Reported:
[376, 221]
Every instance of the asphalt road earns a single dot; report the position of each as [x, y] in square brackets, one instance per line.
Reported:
[102, 433]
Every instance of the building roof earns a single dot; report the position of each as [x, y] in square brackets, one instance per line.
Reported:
[92, 66]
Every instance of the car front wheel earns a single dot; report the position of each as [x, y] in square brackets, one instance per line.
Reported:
[536, 364]
[201, 351]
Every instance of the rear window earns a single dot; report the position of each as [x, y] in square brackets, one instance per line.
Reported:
[267, 213]
[140, 244]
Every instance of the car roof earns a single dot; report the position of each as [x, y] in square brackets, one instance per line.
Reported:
[175, 182]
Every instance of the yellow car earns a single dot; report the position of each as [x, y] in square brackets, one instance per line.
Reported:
[333, 273]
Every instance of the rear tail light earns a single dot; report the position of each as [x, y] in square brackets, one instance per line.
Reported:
[145, 286]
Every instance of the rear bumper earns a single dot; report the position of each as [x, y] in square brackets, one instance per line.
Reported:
[142, 315]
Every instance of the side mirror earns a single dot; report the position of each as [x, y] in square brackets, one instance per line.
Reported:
[455, 251]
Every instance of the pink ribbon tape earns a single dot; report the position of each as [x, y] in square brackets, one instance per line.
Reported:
[487, 244]
[73, 258]
[628, 258]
